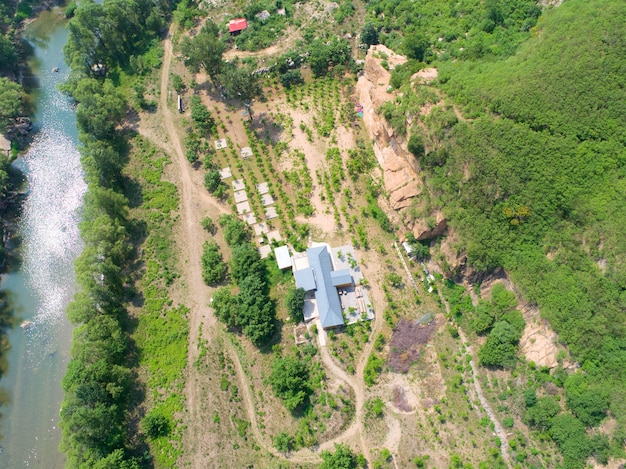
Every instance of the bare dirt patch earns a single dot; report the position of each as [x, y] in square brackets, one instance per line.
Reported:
[400, 400]
[405, 343]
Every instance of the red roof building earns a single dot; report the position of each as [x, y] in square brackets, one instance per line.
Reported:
[237, 25]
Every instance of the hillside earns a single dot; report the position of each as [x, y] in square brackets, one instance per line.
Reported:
[531, 179]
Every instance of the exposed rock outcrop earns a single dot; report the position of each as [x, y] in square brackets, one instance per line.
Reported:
[399, 167]
[538, 343]
[5, 145]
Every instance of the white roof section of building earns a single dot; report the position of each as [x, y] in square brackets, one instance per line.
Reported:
[340, 278]
[283, 258]
[305, 279]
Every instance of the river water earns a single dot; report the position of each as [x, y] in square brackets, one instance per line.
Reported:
[44, 283]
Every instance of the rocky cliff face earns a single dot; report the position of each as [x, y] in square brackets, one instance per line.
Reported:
[401, 177]
[400, 169]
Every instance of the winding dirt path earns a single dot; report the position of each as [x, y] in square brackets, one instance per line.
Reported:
[195, 204]
[498, 428]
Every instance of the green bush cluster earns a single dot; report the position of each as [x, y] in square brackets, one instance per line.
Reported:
[294, 300]
[372, 370]
[290, 380]
[214, 269]
[262, 33]
[468, 30]
[251, 310]
[532, 182]
[323, 56]
[99, 380]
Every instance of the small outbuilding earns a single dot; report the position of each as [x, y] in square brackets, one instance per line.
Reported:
[305, 279]
[283, 258]
[237, 25]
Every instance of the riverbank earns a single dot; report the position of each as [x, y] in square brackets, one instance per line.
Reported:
[41, 284]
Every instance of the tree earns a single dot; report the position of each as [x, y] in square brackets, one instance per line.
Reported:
[323, 56]
[415, 46]
[569, 434]
[102, 162]
[225, 306]
[213, 266]
[178, 84]
[116, 459]
[204, 51]
[235, 230]
[342, 458]
[501, 346]
[212, 180]
[10, 101]
[201, 116]
[289, 379]
[256, 309]
[156, 425]
[8, 54]
[484, 317]
[291, 78]
[503, 299]
[241, 84]
[540, 414]
[416, 145]
[101, 108]
[245, 261]
[369, 34]
[208, 225]
[294, 300]
[588, 403]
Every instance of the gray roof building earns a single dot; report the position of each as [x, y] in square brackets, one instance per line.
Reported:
[305, 279]
[328, 303]
[341, 278]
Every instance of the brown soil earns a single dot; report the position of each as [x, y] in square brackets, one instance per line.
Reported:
[407, 338]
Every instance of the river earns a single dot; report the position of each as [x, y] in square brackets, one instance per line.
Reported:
[42, 286]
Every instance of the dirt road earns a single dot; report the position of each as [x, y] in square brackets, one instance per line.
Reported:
[195, 204]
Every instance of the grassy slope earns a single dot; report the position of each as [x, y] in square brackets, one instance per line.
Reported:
[545, 194]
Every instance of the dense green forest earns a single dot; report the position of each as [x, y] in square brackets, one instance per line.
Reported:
[101, 385]
[532, 177]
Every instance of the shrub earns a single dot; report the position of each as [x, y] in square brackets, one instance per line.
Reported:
[294, 300]
[208, 225]
[212, 180]
[416, 145]
[291, 78]
[213, 266]
[290, 381]
[369, 34]
[372, 370]
[155, 425]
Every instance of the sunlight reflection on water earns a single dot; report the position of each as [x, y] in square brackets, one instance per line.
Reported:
[50, 220]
